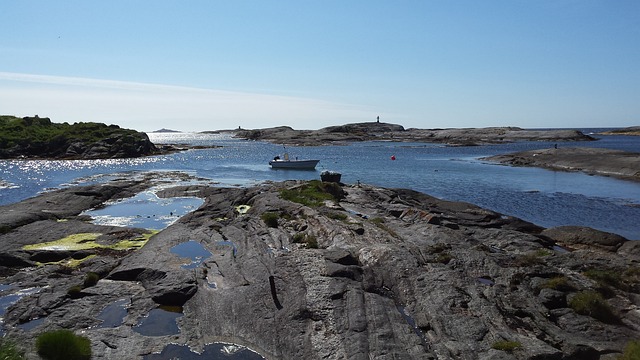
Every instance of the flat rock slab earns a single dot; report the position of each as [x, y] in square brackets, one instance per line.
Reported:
[607, 162]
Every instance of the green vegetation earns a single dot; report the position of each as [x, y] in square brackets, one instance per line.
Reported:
[75, 292]
[90, 279]
[270, 219]
[87, 241]
[592, 303]
[63, 345]
[337, 216]
[313, 193]
[532, 258]
[560, 283]
[606, 277]
[37, 135]
[444, 258]
[310, 240]
[9, 351]
[506, 345]
[631, 351]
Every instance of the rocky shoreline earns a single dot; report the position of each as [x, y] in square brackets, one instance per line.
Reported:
[316, 270]
[594, 161]
[371, 131]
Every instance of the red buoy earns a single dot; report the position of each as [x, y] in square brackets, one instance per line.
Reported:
[393, 157]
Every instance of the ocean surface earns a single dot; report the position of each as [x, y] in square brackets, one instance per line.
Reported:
[544, 197]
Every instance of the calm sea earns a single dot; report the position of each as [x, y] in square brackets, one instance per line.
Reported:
[544, 197]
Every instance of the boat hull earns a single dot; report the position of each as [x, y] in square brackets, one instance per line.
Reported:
[294, 164]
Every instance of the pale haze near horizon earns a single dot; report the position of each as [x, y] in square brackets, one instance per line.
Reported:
[210, 65]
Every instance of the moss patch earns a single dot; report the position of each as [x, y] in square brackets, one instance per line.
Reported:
[81, 241]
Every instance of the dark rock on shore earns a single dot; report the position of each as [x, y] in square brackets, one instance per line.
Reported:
[365, 273]
[616, 163]
[392, 132]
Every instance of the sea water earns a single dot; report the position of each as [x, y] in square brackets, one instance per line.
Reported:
[544, 197]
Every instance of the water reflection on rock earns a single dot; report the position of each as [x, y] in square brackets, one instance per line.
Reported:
[113, 315]
[144, 210]
[193, 250]
[160, 321]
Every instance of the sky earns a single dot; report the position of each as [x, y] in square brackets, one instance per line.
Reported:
[203, 65]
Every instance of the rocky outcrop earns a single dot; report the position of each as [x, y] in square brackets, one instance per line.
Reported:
[391, 132]
[363, 273]
[35, 137]
[616, 163]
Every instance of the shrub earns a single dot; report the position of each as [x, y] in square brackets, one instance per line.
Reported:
[313, 194]
[444, 258]
[8, 351]
[592, 303]
[337, 216]
[309, 240]
[270, 219]
[560, 283]
[63, 345]
[606, 277]
[90, 279]
[631, 351]
[75, 292]
[506, 345]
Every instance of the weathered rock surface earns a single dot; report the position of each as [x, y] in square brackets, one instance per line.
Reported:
[392, 132]
[375, 273]
[616, 163]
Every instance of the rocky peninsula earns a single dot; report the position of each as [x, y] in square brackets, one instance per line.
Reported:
[313, 270]
[605, 162]
[377, 131]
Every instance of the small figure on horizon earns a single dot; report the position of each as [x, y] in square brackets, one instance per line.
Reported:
[555, 146]
[378, 119]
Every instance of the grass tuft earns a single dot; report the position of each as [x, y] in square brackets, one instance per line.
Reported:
[9, 351]
[592, 303]
[631, 351]
[506, 345]
[270, 219]
[63, 345]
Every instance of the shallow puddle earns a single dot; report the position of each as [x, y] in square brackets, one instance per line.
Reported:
[228, 243]
[215, 351]
[193, 250]
[485, 280]
[560, 249]
[9, 299]
[160, 321]
[30, 325]
[145, 210]
[113, 314]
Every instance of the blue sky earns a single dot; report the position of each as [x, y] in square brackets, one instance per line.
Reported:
[206, 65]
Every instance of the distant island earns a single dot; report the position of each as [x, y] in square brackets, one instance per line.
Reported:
[632, 131]
[370, 131]
[163, 130]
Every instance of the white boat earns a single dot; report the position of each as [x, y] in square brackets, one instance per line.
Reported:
[287, 163]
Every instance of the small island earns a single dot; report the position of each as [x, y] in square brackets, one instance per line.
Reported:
[39, 138]
[376, 131]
